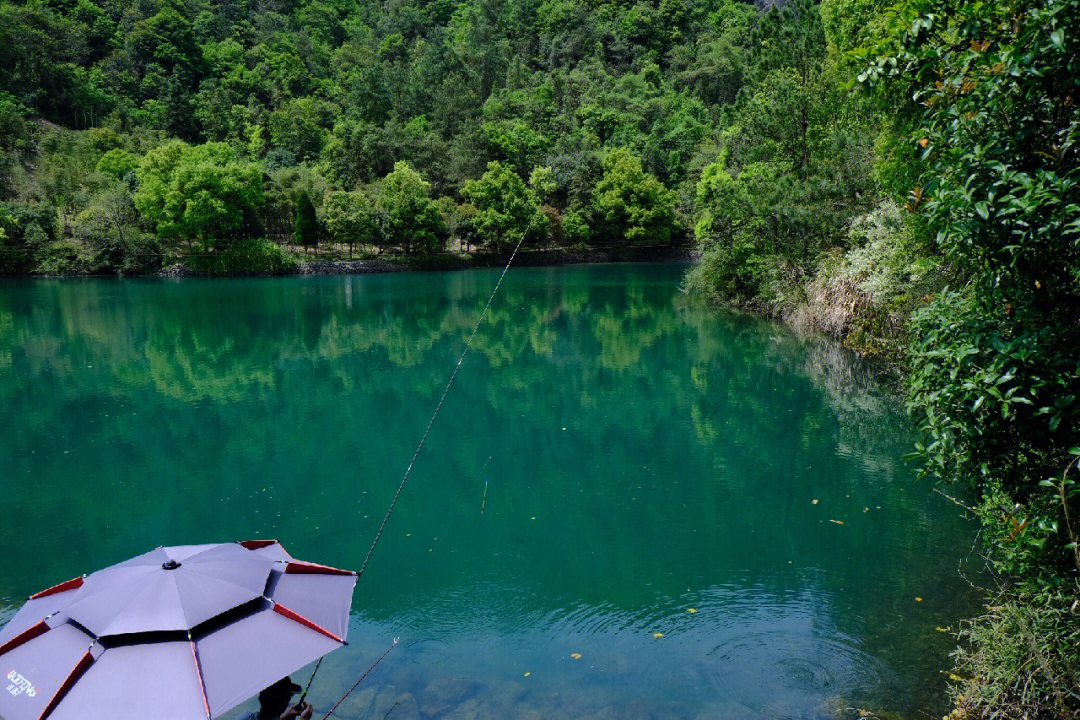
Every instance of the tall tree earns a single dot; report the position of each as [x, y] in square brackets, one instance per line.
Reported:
[634, 205]
[507, 210]
[206, 193]
[306, 228]
[411, 218]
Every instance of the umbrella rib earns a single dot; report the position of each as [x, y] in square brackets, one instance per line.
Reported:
[199, 675]
[71, 584]
[298, 618]
[36, 630]
[69, 682]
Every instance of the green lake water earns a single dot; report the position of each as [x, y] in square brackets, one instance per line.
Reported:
[648, 457]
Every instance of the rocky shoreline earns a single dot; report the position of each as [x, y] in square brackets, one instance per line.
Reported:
[461, 261]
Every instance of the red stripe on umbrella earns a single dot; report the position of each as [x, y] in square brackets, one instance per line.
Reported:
[82, 666]
[300, 567]
[71, 584]
[256, 544]
[25, 636]
[198, 673]
[297, 617]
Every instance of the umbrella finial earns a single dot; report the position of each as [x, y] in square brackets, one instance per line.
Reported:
[170, 565]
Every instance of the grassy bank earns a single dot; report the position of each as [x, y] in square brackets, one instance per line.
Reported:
[862, 289]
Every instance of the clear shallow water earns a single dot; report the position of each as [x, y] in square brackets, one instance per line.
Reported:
[648, 457]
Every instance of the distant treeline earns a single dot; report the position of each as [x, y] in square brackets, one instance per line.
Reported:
[133, 132]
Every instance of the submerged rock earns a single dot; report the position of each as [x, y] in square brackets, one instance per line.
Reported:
[445, 693]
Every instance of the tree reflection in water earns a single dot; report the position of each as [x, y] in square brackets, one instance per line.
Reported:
[669, 453]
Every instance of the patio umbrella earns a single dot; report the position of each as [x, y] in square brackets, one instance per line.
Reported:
[178, 633]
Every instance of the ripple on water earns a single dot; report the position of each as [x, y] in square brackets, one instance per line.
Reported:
[427, 652]
[781, 667]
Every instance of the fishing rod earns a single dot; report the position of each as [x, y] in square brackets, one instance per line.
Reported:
[357, 683]
[416, 454]
[311, 679]
[438, 407]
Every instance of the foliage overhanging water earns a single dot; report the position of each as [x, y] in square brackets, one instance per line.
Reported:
[714, 513]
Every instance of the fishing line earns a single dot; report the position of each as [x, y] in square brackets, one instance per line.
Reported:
[357, 683]
[438, 407]
[412, 462]
[484, 501]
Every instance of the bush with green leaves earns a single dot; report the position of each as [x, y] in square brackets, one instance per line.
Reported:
[204, 193]
[410, 217]
[350, 218]
[247, 256]
[995, 361]
[634, 206]
[507, 211]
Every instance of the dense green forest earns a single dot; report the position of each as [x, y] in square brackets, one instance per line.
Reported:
[135, 133]
[901, 175]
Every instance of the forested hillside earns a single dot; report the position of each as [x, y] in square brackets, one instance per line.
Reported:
[138, 130]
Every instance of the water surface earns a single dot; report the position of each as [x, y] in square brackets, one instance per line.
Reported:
[713, 513]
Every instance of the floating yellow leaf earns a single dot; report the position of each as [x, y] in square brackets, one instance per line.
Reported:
[658, 635]
[691, 610]
[866, 509]
[838, 522]
[918, 599]
[528, 674]
[576, 656]
[814, 502]
[533, 517]
[944, 630]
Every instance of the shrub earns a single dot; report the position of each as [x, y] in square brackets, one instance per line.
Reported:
[507, 210]
[27, 230]
[576, 227]
[251, 256]
[633, 204]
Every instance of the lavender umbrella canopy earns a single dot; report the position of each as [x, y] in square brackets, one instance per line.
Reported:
[179, 633]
